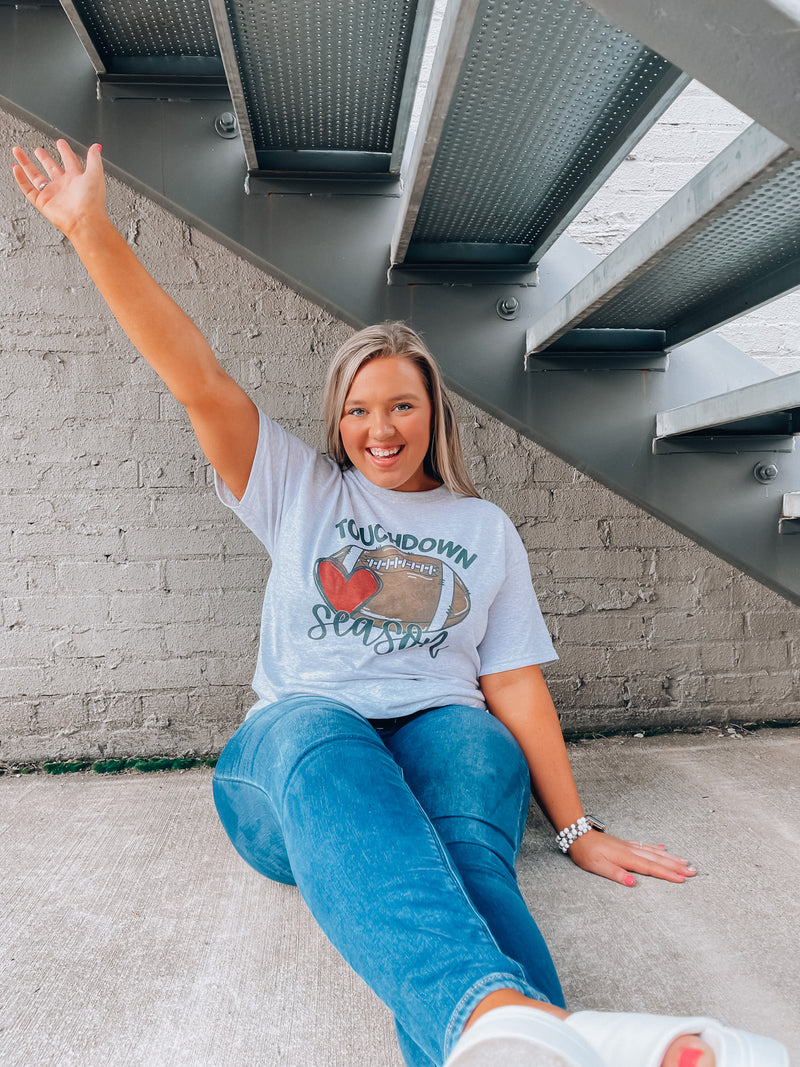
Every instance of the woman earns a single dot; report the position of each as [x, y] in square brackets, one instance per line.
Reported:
[399, 609]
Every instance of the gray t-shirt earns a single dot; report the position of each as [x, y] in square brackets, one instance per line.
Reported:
[386, 601]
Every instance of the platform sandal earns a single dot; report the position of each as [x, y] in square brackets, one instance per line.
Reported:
[526, 1037]
[638, 1040]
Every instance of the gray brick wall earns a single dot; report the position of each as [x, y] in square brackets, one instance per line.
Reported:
[129, 598]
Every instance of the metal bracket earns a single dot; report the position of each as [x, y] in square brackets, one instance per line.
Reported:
[462, 274]
[728, 443]
[789, 522]
[583, 349]
[119, 89]
[266, 183]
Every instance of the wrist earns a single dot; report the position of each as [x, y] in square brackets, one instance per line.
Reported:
[87, 230]
[569, 835]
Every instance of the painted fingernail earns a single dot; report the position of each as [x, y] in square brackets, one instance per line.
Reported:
[689, 1057]
[630, 880]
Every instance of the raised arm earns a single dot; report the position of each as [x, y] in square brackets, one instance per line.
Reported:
[521, 700]
[73, 200]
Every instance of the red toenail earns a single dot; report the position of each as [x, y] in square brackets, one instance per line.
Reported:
[689, 1057]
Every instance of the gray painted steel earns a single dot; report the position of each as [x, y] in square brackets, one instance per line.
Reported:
[771, 407]
[333, 246]
[541, 103]
[451, 46]
[321, 78]
[748, 51]
[165, 38]
[724, 244]
[227, 47]
[789, 522]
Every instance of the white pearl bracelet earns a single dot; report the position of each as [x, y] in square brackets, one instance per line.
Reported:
[571, 833]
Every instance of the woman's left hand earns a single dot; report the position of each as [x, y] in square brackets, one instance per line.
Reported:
[619, 860]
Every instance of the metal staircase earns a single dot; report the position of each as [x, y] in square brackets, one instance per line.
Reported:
[409, 159]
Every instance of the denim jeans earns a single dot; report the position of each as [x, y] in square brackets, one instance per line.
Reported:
[402, 842]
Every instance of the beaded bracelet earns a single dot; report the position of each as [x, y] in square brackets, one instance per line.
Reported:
[571, 833]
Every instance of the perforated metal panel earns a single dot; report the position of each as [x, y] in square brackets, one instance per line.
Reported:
[739, 252]
[544, 94]
[321, 75]
[149, 36]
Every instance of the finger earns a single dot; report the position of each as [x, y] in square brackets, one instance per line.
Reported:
[656, 867]
[22, 180]
[21, 157]
[48, 164]
[618, 874]
[30, 188]
[31, 172]
[72, 165]
[94, 161]
[657, 852]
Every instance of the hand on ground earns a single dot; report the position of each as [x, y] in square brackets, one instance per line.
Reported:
[619, 860]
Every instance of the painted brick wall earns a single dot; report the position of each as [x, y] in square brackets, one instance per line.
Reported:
[129, 598]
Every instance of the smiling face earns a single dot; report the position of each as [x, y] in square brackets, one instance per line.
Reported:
[386, 424]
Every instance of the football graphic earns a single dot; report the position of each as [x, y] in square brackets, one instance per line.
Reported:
[388, 585]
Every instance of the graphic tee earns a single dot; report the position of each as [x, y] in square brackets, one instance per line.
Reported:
[386, 601]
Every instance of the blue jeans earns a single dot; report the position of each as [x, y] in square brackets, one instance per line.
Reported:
[402, 842]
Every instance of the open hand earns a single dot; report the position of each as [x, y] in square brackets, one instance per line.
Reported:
[619, 860]
[66, 194]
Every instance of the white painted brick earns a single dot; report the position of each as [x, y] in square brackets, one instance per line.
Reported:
[184, 575]
[108, 577]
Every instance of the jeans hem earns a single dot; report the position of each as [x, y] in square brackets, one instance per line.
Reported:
[490, 983]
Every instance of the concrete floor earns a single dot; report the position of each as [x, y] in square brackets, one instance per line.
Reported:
[132, 934]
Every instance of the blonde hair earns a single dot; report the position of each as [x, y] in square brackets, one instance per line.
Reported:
[445, 458]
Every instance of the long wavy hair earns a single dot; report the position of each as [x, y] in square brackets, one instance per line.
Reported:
[445, 459]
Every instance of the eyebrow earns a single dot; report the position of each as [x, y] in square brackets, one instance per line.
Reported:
[352, 402]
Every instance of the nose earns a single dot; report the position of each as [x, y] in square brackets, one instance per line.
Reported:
[382, 427]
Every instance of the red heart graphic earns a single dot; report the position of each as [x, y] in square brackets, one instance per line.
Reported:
[343, 593]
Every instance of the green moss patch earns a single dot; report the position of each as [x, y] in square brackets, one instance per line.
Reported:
[67, 768]
[143, 764]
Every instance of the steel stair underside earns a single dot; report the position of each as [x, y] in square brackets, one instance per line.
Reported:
[331, 239]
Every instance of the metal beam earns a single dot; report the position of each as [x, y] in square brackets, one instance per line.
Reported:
[451, 47]
[747, 51]
[664, 276]
[335, 250]
[84, 36]
[222, 28]
[411, 82]
[771, 407]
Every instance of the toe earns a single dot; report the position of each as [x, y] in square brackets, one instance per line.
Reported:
[689, 1051]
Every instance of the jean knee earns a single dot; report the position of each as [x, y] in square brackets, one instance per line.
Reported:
[248, 818]
[255, 766]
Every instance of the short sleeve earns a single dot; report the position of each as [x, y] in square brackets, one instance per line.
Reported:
[516, 634]
[281, 461]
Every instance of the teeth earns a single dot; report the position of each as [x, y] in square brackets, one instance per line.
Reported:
[383, 453]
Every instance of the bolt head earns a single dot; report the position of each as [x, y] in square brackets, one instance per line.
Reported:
[765, 473]
[507, 307]
[226, 125]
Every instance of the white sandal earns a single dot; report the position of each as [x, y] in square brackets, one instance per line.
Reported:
[513, 1036]
[528, 1037]
[633, 1040]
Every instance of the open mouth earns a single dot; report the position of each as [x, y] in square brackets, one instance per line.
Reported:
[384, 453]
